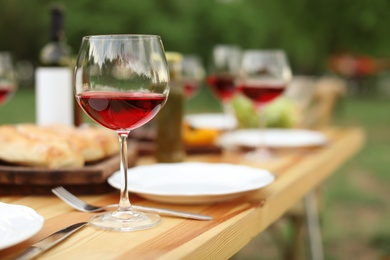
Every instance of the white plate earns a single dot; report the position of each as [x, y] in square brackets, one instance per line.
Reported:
[273, 138]
[193, 182]
[211, 121]
[17, 224]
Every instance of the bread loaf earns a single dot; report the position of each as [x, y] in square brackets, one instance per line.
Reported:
[55, 146]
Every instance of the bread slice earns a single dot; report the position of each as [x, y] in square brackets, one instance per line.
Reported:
[105, 139]
[56, 146]
[95, 143]
[20, 148]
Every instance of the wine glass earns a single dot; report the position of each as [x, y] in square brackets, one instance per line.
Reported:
[193, 74]
[121, 82]
[8, 79]
[264, 75]
[224, 68]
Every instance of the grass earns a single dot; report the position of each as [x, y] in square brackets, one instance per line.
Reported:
[20, 108]
[356, 199]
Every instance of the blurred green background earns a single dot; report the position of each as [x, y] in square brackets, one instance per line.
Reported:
[308, 30]
[356, 198]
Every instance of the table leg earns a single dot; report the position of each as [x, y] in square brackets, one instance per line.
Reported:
[313, 227]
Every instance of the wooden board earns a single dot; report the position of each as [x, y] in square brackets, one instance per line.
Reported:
[91, 179]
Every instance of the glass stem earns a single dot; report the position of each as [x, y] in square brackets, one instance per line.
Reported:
[227, 108]
[262, 117]
[228, 111]
[262, 126]
[124, 202]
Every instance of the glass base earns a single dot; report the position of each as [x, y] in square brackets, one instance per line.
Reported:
[124, 221]
[259, 155]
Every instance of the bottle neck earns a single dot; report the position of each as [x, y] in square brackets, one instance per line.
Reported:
[56, 53]
[56, 25]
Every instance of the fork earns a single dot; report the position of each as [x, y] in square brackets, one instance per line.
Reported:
[81, 205]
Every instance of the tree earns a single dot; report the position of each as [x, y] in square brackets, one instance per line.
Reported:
[308, 30]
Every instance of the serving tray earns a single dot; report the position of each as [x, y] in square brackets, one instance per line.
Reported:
[90, 179]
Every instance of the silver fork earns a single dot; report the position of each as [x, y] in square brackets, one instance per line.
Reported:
[81, 205]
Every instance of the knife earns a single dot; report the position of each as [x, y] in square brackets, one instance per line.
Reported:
[50, 241]
[171, 212]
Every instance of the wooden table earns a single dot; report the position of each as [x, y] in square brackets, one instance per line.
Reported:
[235, 223]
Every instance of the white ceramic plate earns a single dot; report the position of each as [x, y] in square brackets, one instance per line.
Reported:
[273, 138]
[17, 224]
[211, 121]
[193, 182]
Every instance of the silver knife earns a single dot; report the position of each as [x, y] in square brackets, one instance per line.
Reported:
[171, 212]
[50, 241]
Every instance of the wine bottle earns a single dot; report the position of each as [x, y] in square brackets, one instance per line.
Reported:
[54, 93]
[170, 147]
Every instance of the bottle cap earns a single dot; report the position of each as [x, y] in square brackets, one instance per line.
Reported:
[173, 56]
[174, 60]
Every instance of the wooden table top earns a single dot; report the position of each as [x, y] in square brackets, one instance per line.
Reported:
[235, 222]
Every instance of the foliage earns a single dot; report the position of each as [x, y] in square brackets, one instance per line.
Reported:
[308, 30]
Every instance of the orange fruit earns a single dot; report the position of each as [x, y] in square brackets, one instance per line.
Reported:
[199, 137]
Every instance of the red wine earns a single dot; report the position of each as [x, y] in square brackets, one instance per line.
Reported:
[121, 110]
[223, 86]
[190, 89]
[262, 92]
[6, 92]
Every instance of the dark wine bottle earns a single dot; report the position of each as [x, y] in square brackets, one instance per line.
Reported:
[56, 53]
[55, 102]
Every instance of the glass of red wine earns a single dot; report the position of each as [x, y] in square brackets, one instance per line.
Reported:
[121, 82]
[224, 68]
[8, 78]
[193, 74]
[264, 75]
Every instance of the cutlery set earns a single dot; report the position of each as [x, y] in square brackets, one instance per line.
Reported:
[81, 205]
[50, 241]
[73, 201]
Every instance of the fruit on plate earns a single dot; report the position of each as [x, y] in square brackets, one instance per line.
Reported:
[199, 137]
[281, 113]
